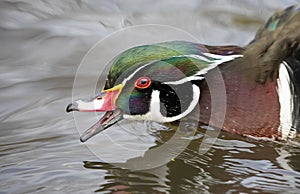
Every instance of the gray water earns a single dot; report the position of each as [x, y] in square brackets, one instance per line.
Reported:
[42, 45]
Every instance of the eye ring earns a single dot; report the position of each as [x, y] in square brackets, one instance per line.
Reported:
[142, 82]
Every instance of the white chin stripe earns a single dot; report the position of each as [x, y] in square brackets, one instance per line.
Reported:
[284, 90]
[155, 115]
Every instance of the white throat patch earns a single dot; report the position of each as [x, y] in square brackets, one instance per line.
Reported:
[155, 106]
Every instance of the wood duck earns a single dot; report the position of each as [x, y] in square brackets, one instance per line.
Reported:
[164, 82]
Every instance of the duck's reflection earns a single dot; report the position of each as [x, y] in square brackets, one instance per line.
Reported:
[233, 164]
[168, 176]
[126, 181]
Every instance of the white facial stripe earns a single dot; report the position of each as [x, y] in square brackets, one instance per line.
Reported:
[184, 80]
[92, 105]
[286, 102]
[220, 59]
[137, 70]
[155, 115]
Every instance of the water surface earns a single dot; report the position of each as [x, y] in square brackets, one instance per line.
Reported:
[42, 44]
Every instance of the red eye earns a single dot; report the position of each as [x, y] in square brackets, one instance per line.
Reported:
[143, 82]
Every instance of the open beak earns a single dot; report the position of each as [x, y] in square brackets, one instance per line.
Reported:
[103, 102]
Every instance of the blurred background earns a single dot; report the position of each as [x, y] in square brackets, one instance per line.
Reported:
[42, 44]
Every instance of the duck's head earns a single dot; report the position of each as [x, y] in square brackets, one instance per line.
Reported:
[153, 82]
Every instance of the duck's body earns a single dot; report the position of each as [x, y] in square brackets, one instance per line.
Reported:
[164, 83]
[260, 110]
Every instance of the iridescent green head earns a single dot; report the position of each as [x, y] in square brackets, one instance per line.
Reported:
[158, 81]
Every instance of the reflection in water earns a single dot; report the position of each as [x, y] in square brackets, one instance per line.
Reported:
[151, 181]
[42, 43]
[232, 165]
